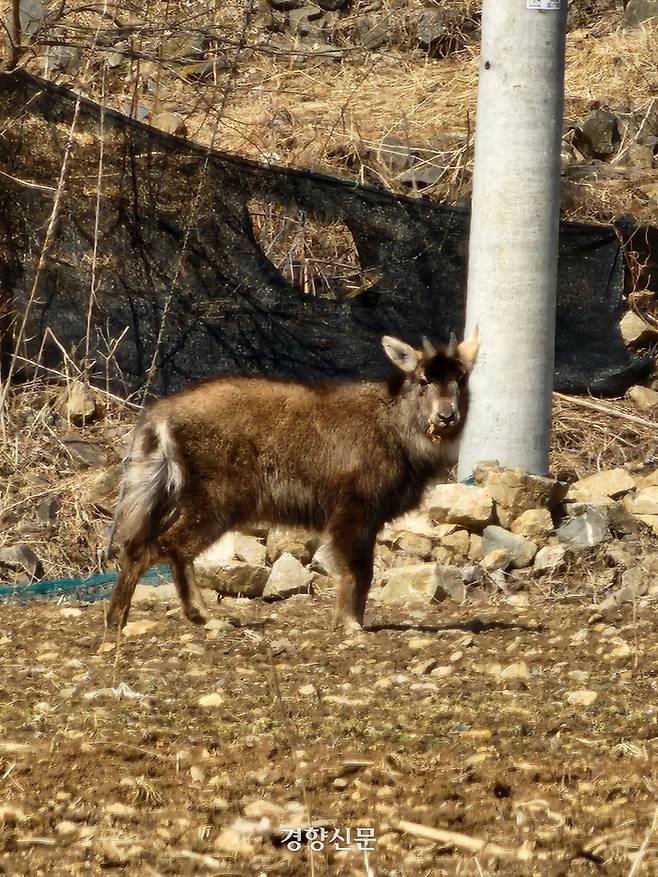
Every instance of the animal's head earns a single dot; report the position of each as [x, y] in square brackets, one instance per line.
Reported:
[434, 380]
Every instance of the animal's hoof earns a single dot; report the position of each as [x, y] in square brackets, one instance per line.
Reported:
[351, 625]
[113, 618]
[197, 615]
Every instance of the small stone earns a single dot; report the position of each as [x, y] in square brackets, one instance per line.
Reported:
[340, 783]
[643, 398]
[457, 543]
[211, 701]
[442, 672]
[534, 524]
[514, 491]
[288, 577]
[232, 842]
[550, 559]
[472, 574]
[416, 582]
[84, 454]
[219, 625]
[70, 612]
[610, 483]
[22, 558]
[518, 670]
[499, 558]
[308, 690]
[78, 403]
[635, 332]
[449, 583]
[415, 545]
[645, 502]
[11, 815]
[585, 530]
[120, 811]
[522, 550]
[232, 578]
[170, 123]
[639, 11]
[584, 697]
[104, 648]
[300, 543]
[598, 136]
[47, 510]
[142, 627]
[423, 668]
[66, 829]
[470, 507]
[325, 562]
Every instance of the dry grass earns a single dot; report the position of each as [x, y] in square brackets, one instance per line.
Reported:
[302, 102]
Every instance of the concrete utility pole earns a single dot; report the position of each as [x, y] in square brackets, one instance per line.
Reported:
[514, 233]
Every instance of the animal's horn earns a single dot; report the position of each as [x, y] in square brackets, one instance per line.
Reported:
[428, 348]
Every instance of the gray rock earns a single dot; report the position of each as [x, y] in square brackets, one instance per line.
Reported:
[435, 32]
[395, 155]
[84, 454]
[325, 562]
[550, 559]
[233, 578]
[288, 577]
[638, 11]
[622, 523]
[472, 574]
[47, 510]
[522, 550]
[585, 530]
[102, 491]
[305, 20]
[249, 549]
[22, 558]
[634, 583]
[598, 136]
[449, 584]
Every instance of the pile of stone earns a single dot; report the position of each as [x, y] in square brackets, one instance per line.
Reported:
[507, 528]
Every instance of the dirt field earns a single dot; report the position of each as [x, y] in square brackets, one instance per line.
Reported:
[468, 719]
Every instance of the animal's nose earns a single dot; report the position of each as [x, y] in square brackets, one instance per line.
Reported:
[447, 417]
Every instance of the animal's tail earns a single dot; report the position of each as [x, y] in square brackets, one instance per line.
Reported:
[152, 484]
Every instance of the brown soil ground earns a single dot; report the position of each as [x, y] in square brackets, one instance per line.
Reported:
[511, 762]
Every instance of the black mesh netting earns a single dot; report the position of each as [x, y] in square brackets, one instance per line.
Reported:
[231, 308]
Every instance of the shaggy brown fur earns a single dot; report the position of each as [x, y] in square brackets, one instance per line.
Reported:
[343, 458]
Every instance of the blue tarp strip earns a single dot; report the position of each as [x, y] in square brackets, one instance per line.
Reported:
[86, 587]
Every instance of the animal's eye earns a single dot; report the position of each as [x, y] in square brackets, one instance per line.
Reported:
[423, 382]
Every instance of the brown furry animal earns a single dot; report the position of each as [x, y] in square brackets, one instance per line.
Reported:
[343, 458]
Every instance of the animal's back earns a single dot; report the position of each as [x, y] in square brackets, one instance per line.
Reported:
[278, 449]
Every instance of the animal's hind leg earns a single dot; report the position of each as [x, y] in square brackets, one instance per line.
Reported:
[193, 603]
[134, 562]
[354, 548]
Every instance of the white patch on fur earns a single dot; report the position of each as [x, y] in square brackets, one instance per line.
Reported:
[168, 448]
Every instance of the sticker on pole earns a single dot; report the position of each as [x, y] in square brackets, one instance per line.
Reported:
[542, 4]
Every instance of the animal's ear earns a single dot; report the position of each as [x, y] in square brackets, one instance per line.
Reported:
[467, 351]
[400, 353]
[452, 349]
[429, 350]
